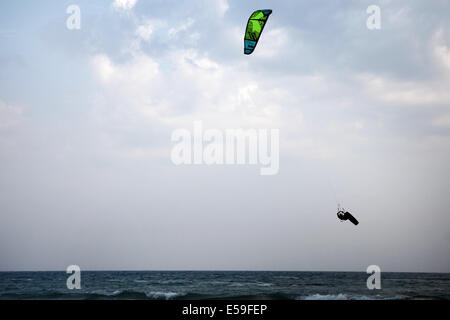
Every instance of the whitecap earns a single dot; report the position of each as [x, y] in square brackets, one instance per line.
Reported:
[264, 284]
[317, 296]
[162, 295]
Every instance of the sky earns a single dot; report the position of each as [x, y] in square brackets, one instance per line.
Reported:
[86, 118]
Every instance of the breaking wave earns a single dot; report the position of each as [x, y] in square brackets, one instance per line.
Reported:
[342, 296]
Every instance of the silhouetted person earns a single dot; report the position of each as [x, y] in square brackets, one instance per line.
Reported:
[345, 215]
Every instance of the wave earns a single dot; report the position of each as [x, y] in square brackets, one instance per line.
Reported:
[172, 295]
[237, 284]
[342, 296]
[137, 295]
[317, 296]
[249, 284]
[159, 295]
[260, 296]
[97, 295]
[264, 284]
[118, 294]
[172, 282]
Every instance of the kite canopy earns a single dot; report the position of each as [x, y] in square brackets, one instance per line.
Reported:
[255, 26]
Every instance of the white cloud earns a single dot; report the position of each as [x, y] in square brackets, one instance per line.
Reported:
[196, 86]
[9, 115]
[10, 118]
[124, 4]
[210, 84]
[442, 121]
[132, 77]
[223, 6]
[135, 96]
[145, 31]
[103, 67]
[174, 31]
[273, 42]
[404, 93]
[440, 49]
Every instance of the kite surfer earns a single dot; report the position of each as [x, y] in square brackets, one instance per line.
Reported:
[345, 215]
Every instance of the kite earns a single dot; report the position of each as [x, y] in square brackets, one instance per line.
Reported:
[255, 26]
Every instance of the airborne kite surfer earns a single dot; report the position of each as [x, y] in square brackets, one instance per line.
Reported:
[345, 215]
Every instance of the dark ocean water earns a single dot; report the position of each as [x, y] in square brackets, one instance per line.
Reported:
[223, 285]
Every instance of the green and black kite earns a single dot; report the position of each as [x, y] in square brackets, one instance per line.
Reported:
[255, 26]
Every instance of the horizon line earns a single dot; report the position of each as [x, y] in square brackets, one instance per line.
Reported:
[218, 270]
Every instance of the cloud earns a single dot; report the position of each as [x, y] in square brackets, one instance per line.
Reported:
[442, 121]
[10, 119]
[272, 42]
[196, 85]
[440, 49]
[135, 96]
[404, 93]
[204, 87]
[174, 31]
[145, 30]
[223, 6]
[124, 4]
[9, 115]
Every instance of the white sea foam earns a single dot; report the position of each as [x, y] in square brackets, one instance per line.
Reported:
[242, 284]
[264, 284]
[342, 296]
[317, 296]
[172, 281]
[162, 295]
[236, 284]
[106, 293]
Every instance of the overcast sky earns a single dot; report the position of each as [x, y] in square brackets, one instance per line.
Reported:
[86, 118]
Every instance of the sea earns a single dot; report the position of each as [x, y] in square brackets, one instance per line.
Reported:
[233, 285]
